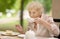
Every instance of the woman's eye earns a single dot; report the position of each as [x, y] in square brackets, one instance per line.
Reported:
[33, 12]
[29, 12]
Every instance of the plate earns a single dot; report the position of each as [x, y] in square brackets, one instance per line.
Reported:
[10, 34]
[21, 35]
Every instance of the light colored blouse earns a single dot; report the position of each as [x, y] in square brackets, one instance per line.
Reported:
[41, 30]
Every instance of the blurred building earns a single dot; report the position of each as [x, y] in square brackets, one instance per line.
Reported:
[56, 11]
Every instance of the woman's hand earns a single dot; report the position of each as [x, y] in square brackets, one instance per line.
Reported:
[38, 20]
[44, 23]
[19, 28]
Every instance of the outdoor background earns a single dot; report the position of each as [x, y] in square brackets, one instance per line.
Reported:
[10, 13]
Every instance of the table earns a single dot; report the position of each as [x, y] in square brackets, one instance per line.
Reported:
[8, 37]
[16, 37]
[45, 38]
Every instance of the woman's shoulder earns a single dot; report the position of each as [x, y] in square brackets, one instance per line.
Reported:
[47, 16]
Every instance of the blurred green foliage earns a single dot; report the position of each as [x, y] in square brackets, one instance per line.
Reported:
[6, 4]
[47, 5]
[16, 4]
[26, 2]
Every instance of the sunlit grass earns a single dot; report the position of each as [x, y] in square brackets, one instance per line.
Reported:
[11, 25]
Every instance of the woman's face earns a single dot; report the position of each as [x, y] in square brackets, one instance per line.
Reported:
[34, 13]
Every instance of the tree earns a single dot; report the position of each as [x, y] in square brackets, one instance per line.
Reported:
[6, 4]
[47, 5]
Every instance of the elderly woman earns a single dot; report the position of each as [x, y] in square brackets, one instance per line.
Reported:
[42, 24]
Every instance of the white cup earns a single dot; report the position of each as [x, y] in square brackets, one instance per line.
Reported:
[30, 35]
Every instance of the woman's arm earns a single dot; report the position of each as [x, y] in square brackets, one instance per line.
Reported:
[49, 25]
[20, 29]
